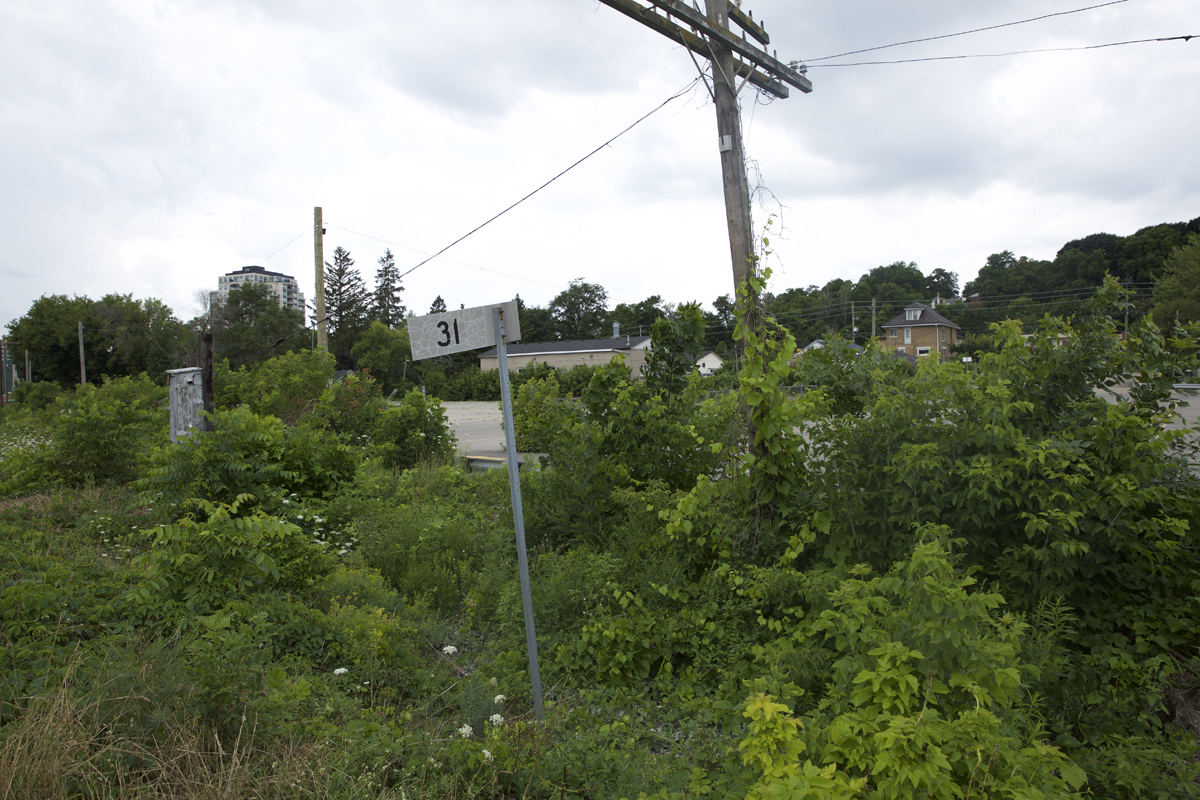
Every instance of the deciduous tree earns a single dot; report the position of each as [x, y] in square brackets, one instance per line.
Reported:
[580, 311]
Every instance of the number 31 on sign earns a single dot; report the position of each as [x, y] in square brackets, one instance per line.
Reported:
[464, 329]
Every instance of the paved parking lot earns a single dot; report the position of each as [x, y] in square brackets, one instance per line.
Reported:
[478, 426]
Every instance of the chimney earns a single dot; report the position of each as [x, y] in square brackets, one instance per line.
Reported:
[616, 329]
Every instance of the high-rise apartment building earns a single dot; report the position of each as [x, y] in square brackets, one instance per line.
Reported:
[282, 288]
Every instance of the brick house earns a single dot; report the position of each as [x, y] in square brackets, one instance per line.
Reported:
[920, 331]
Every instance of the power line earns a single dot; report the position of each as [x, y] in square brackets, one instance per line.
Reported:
[1012, 53]
[285, 247]
[482, 225]
[451, 260]
[965, 33]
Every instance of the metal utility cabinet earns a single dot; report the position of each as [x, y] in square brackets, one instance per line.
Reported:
[187, 400]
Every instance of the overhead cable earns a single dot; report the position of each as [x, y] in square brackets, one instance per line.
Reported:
[1011, 53]
[482, 225]
[964, 33]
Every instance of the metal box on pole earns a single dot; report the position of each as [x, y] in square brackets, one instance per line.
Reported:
[187, 400]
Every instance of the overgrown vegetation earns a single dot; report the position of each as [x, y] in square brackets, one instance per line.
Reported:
[968, 581]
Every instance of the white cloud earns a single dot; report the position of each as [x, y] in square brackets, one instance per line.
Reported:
[150, 146]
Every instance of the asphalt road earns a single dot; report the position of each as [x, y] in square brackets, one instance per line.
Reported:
[479, 427]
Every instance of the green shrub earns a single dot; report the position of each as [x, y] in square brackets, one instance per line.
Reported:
[922, 699]
[97, 435]
[425, 554]
[540, 413]
[351, 407]
[201, 565]
[413, 430]
[357, 587]
[286, 386]
[472, 384]
[247, 454]
[379, 648]
[574, 380]
[38, 394]
[316, 461]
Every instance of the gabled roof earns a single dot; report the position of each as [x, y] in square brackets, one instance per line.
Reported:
[817, 344]
[927, 317]
[610, 345]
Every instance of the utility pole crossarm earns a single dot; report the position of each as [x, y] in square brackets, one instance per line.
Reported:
[721, 35]
[747, 23]
[679, 35]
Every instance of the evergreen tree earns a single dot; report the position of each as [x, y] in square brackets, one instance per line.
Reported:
[386, 305]
[439, 306]
[347, 306]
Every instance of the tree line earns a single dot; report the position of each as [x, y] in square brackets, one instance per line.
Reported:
[367, 329]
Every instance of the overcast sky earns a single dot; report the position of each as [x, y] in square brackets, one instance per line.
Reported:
[148, 147]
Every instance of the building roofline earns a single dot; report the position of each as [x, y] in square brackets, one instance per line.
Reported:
[255, 271]
[935, 319]
[619, 344]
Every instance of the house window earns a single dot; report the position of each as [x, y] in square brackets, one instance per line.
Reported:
[891, 333]
[922, 351]
[908, 335]
[912, 314]
[900, 349]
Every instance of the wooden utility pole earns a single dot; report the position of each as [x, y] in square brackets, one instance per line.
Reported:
[872, 319]
[733, 158]
[204, 360]
[732, 57]
[82, 363]
[319, 300]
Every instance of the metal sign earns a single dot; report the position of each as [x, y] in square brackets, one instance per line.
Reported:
[468, 329]
[464, 329]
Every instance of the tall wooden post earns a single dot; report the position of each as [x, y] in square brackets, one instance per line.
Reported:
[708, 35]
[319, 257]
[82, 363]
[204, 360]
[733, 158]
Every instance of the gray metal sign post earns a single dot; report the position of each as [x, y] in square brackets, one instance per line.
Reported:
[469, 329]
[514, 485]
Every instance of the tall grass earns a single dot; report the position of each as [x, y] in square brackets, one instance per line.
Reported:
[63, 746]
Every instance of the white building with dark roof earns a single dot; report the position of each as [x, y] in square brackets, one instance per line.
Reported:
[283, 289]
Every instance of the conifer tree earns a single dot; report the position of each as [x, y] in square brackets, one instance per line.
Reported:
[386, 306]
[347, 305]
[439, 306]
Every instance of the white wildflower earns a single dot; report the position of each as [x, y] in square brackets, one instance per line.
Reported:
[496, 719]
[340, 671]
[450, 650]
[465, 731]
[498, 699]
[343, 551]
[487, 756]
